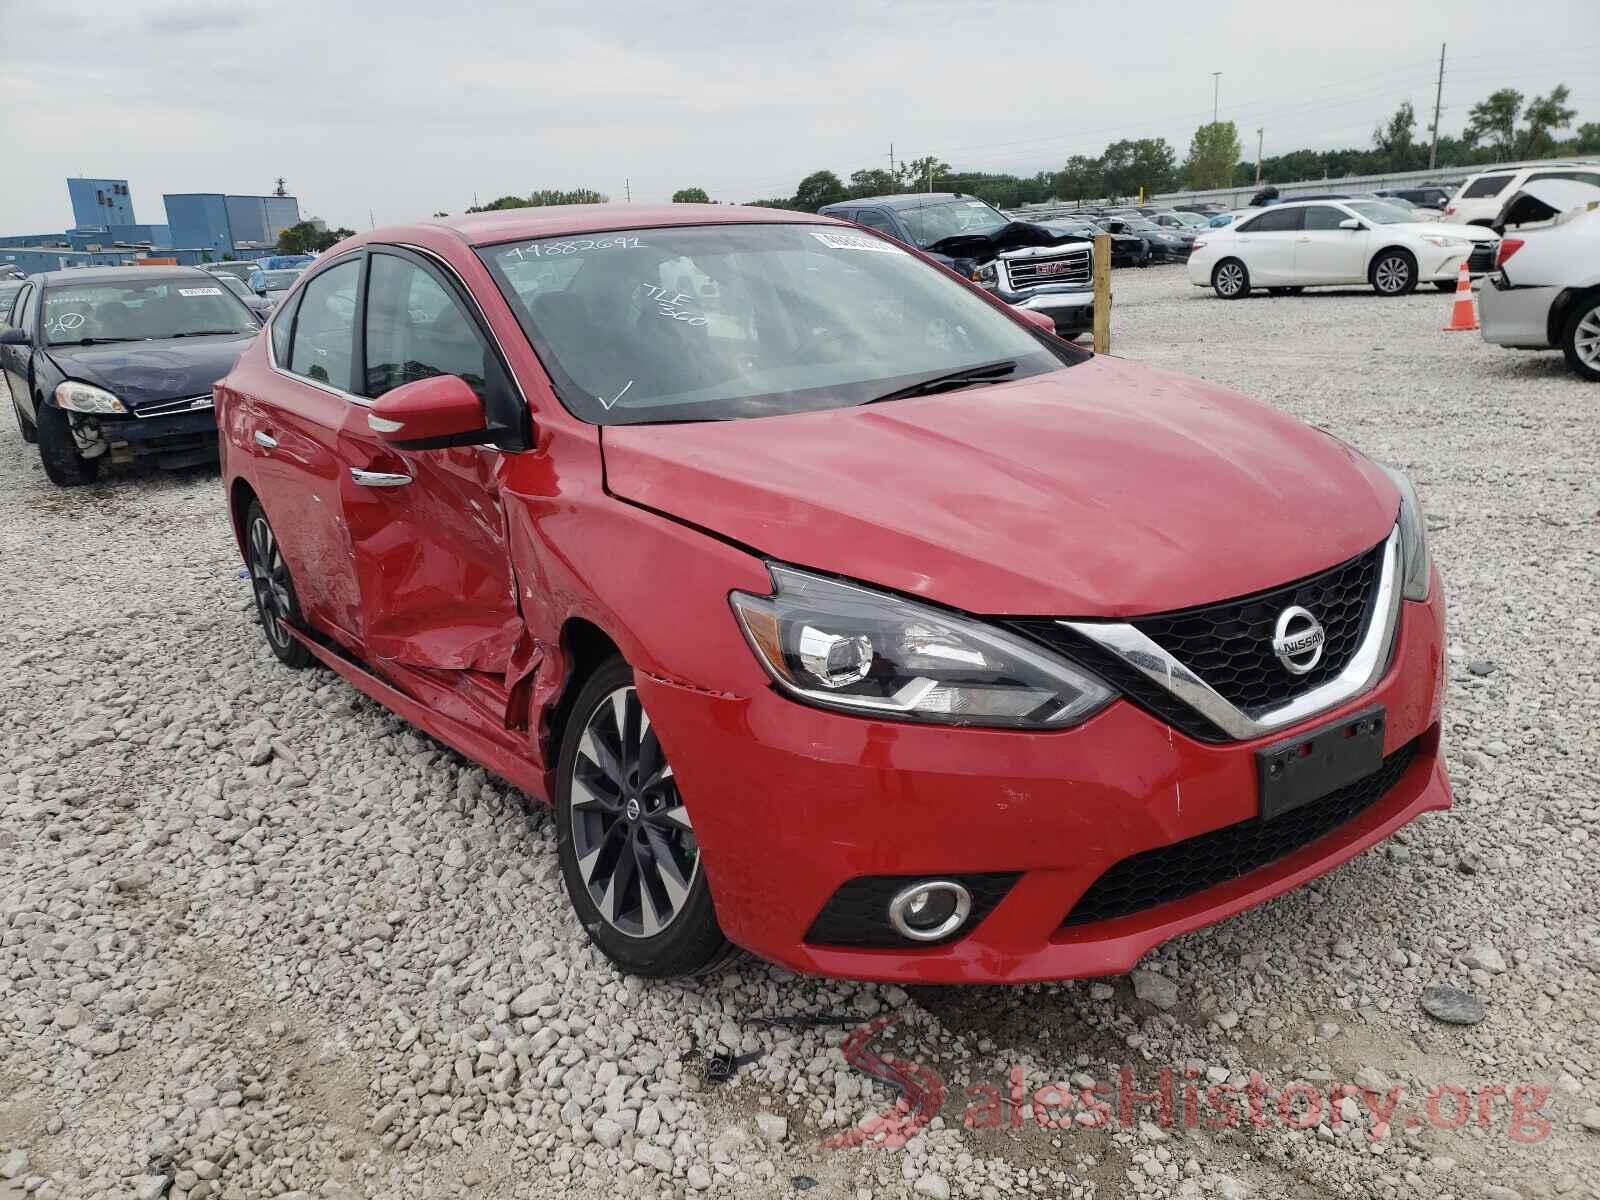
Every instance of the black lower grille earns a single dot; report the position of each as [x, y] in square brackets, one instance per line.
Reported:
[1172, 872]
[858, 913]
[1481, 260]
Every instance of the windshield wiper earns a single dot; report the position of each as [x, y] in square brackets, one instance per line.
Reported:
[207, 332]
[96, 341]
[985, 373]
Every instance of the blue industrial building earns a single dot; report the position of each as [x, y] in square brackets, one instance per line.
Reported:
[200, 227]
[97, 202]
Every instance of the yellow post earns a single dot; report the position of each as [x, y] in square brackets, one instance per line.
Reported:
[1102, 293]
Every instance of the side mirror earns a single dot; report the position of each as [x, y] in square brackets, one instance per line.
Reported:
[430, 414]
[14, 337]
[1037, 319]
[1350, 223]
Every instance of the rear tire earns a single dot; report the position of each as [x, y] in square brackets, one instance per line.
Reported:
[1580, 337]
[1393, 273]
[1230, 279]
[627, 850]
[58, 451]
[277, 605]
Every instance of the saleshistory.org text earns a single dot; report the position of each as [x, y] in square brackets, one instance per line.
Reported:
[1181, 1097]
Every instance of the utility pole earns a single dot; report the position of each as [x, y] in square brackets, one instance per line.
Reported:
[1438, 95]
[1216, 93]
[372, 222]
[627, 189]
[1261, 132]
[891, 162]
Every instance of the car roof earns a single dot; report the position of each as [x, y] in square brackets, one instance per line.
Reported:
[116, 274]
[521, 224]
[906, 200]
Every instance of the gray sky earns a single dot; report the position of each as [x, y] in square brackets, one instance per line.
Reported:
[404, 108]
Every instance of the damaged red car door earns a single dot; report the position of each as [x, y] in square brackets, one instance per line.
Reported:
[426, 526]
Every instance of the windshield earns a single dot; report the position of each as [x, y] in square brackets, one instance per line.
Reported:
[1193, 220]
[236, 285]
[721, 322]
[137, 310]
[279, 281]
[1379, 212]
[953, 219]
[239, 270]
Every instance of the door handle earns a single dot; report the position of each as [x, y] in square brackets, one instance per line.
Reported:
[1302, 239]
[378, 478]
[265, 440]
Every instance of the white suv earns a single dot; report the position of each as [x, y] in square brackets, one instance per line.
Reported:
[1481, 196]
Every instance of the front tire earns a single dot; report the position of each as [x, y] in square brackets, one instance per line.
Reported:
[1580, 337]
[628, 852]
[276, 603]
[1393, 273]
[1230, 279]
[64, 466]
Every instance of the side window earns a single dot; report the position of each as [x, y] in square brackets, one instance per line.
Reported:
[873, 219]
[1276, 220]
[282, 326]
[12, 313]
[416, 330]
[1322, 216]
[1592, 177]
[325, 326]
[1485, 186]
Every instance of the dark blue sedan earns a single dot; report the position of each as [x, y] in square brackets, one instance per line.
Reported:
[118, 363]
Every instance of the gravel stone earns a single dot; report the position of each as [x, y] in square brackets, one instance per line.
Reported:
[1452, 1005]
[1154, 989]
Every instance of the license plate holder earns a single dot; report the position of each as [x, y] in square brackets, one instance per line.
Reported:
[1304, 769]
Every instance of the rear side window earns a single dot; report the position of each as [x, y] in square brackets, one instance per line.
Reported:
[416, 330]
[1581, 176]
[325, 326]
[1275, 220]
[1485, 186]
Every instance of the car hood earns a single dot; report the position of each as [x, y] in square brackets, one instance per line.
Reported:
[1472, 233]
[147, 372]
[1103, 490]
[984, 246]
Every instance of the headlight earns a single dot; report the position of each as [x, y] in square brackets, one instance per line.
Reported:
[1445, 243]
[1414, 561]
[987, 275]
[841, 646]
[86, 398]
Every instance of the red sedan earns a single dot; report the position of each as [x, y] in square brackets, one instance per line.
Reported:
[842, 613]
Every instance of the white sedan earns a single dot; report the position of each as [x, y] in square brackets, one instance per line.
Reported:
[1323, 243]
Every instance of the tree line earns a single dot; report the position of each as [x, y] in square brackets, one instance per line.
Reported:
[1506, 126]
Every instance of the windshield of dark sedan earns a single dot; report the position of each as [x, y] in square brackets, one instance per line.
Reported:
[137, 310]
[955, 218]
[236, 285]
[1379, 212]
[719, 322]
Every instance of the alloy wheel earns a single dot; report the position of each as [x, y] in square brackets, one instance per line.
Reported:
[1392, 275]
[1586, 339]
[269, 579]
[636, 850]
[1230, 278]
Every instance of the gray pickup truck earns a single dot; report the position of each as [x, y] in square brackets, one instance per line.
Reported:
[1024, 264]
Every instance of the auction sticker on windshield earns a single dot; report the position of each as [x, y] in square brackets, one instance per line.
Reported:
[200, 291]
[854, 241]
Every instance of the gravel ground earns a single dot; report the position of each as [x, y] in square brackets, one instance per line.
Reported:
[258, 937]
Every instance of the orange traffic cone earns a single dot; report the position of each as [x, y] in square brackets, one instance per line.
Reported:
[1463, 316]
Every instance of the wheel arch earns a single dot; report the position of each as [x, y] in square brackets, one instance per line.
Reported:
[1556, 321]
[240, 494]
[583, 645]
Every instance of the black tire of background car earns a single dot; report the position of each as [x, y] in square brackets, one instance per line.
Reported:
[1393, 259]
[287, 651]
[63, 465]
[24, 426]
[1218, 286]
[1285, 291]
[1586, 306]
[693, 944]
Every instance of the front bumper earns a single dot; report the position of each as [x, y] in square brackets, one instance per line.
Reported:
[1515, 316]
[176, 439]
[1072, 309]
[790, 803]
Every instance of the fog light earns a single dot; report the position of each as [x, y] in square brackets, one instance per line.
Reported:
[930, 910]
